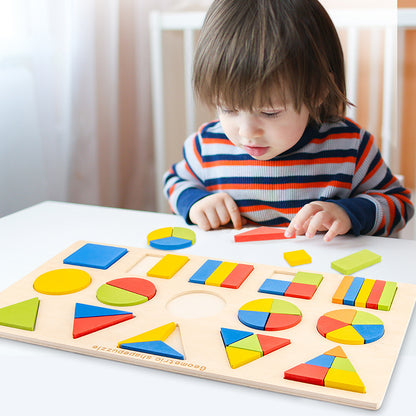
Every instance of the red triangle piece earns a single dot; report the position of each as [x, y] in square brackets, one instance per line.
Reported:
[269, 344]
[85, 326]
[261, 233]
[136, 285]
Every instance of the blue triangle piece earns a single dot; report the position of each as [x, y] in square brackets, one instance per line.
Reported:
[233, 335]
[322, 361]
[153, 347]
[83, 310]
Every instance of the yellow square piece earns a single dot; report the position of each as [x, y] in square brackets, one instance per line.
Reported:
[168, 266]
[298, 257]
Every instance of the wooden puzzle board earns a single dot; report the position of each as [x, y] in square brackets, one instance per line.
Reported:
[200, 338]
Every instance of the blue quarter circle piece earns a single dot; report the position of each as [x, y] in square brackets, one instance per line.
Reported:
[97, 256]
[153, 347]
[370, 333]
[170, 243]
[253, 319]
[83, 310]
[233, 335]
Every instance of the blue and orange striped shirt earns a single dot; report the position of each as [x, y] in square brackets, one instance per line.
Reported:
[335, 162]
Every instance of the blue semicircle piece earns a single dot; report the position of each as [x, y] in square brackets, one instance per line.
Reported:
[170, 243]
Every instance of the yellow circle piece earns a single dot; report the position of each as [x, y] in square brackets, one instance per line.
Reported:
[62, 282]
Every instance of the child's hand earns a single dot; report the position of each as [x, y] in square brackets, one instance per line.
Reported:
[215, 210]
[320, 216]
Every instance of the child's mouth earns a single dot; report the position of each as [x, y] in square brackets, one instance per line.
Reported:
[256, 151]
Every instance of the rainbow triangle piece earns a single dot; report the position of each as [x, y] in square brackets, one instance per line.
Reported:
[152, 342]
[89, 319]
[331, 369]
[20, 315]
[243, 347]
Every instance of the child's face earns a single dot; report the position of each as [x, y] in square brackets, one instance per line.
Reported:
[266, 132]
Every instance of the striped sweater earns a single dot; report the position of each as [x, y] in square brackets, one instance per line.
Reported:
[337, 162]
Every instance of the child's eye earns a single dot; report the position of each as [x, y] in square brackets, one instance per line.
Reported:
[271, 114]
[228, 110]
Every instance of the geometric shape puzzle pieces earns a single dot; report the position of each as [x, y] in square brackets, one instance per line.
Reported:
[331, 369]
[303, 285]
[168, 266]
[89, 318]
[171, 238]
[222, 274]
[348, 326]
[62, 281]
[126, 291]
[260, 234]
[356, 261]
[365, 293]
[243, 347]
[152, 342]
[269, 314]
[21, 315]
[297, 257]
[97, 256]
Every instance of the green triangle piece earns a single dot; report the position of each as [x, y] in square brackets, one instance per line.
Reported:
[20, 315]
[251, 343]
[343, 364]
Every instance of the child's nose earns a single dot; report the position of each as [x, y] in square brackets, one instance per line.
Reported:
[249, 127]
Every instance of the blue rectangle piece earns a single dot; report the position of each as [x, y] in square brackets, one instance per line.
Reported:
[274, 286]
[202, 274]
[96, 256]
[352, 292]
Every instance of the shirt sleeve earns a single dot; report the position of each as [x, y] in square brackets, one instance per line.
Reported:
[379, 204]
[183, 182]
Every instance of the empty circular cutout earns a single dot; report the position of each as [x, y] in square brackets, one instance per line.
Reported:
[195, 305]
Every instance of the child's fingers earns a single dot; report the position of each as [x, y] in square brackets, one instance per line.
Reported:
[234, 212]
[302, 219]
[333, 231]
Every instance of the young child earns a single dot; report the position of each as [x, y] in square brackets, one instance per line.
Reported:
[282, 153]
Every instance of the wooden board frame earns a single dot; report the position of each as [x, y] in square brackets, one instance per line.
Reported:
[203, 348]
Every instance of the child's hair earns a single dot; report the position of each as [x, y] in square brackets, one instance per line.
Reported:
[252, 52]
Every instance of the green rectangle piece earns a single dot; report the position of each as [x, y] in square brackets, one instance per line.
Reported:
[356, 261]
[387, 296]
[308, 278]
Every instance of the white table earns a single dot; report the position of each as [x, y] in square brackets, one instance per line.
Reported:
[38, 380]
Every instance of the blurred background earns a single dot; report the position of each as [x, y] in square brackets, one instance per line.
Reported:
[80, 121]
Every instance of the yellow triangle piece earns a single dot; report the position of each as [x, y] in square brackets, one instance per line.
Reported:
[157, 334]
[345, 380]
[336, 352]
[238, 357]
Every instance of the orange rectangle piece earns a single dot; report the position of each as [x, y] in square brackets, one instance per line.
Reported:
[342, 289]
